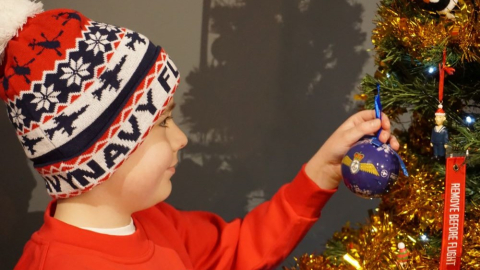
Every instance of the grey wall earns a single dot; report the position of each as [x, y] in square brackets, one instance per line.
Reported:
[276, 78]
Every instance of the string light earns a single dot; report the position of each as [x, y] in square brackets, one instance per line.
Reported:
[347, 257]
[424, 237]
[411, 238]
[431, 70]
[469, 120]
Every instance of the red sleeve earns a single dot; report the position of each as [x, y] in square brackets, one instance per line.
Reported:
[33, 256]
[263, 239]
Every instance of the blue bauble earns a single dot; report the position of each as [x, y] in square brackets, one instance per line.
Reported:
[369, 169]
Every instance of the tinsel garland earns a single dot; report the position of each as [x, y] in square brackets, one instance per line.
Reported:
[471, 243]
[416, 200]
[373, 246]
[400, 26]
[409, 213]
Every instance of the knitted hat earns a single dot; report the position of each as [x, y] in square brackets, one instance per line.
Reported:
[440, 110]
[81, 95]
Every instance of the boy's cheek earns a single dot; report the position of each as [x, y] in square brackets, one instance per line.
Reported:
[159, 154]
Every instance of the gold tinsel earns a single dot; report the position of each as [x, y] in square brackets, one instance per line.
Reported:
[418, 31]
[373, 246]
[412, 207]
[315, 262]
[417, 198]
[471, 238]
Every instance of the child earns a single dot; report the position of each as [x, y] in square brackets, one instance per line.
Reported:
[91, 104]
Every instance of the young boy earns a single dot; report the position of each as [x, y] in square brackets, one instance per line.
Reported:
[91, 104]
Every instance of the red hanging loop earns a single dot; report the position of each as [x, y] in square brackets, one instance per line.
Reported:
[443, 68]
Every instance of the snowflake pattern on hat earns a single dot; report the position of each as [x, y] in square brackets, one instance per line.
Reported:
[46, 97]
[76, 72]
[97, 43]
[16, 116]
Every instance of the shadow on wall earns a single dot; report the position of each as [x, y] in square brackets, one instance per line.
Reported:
[270, 95]
[16, 223]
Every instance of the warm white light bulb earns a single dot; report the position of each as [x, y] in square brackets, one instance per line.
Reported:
[347, 257]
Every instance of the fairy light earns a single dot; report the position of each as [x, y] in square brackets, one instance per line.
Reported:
[413, 239]
[348, 258]
[469, 120]
[423, 237]
[431, 70]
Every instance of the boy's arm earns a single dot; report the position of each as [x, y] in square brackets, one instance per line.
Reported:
[263, 239]
[269, 232]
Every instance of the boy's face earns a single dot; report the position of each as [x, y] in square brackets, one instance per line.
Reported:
[144, 179]
[439, 119]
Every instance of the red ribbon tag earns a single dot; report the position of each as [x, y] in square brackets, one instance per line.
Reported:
[453, 214]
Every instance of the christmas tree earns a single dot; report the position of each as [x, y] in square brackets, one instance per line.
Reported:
[427, 54]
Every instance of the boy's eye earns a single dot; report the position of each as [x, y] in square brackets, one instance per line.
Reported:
[164, 122]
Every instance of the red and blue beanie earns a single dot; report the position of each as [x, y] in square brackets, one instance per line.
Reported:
[81, 95]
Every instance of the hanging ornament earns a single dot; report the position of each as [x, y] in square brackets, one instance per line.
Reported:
[370, 167]
[439, 138]
[403, 253]
[442, 7]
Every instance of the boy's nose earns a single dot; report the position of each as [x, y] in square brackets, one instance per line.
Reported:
[178, 139]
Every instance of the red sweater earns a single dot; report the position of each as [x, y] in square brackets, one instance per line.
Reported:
[168, 239]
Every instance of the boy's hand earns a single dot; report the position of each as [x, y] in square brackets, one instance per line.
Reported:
[324, 168]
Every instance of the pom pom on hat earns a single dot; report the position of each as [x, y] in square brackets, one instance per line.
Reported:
[440, 110]
[13, 15]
